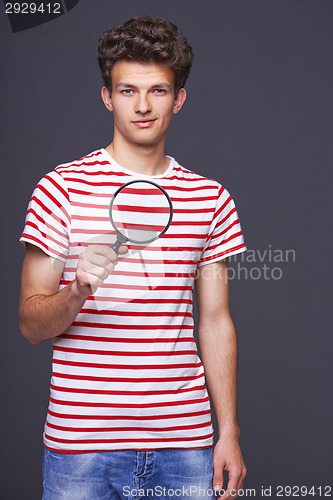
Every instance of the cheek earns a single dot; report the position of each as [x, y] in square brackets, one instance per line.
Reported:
[166, 113]
[167, 119]
[120, 114]
[121, 107]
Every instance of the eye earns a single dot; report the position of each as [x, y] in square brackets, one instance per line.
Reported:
[160, 91]
[127, 91]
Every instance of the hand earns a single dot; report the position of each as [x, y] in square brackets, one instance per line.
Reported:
[228, 456]
[94, 266]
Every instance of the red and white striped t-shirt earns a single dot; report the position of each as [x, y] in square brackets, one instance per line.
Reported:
[126, 373]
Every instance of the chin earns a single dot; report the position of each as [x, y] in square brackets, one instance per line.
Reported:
[146, 141]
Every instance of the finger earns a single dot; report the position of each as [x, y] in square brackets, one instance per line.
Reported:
[89, 261]
[232, 487]
[104, 250]
[242, 479]
[101, 272]
[91, 264]
[87, 279]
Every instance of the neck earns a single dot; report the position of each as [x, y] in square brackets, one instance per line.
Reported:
[141, 159]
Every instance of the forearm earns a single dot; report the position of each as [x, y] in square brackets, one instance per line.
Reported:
[42, 317]
[218, 346]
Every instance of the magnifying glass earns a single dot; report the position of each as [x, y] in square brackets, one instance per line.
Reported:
[140, 212]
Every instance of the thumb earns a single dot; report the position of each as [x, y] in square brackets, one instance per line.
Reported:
[122, 249]
[218, 479]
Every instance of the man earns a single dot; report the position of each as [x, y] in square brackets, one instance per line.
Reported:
[129, 412]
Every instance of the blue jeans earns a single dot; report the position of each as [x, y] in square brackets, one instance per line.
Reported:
[129, 475]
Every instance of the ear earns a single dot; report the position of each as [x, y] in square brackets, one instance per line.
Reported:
[107, 99]
[179, 101]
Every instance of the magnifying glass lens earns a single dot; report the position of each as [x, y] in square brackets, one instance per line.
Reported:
[140, 212]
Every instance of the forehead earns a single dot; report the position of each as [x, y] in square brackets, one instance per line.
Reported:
[137, 73]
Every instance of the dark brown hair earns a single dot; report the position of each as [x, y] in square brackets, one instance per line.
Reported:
[145, 39]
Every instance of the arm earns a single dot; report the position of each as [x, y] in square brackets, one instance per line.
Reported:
[218, 346]
[45, 312]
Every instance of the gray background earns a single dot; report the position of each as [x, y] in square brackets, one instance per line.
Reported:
[258, 119]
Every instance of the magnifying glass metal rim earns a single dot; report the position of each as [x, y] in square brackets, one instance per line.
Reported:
[151, 239]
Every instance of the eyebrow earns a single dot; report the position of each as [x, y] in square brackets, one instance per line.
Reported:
[155, 86]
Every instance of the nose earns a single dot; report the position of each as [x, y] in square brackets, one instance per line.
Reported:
[143, 104]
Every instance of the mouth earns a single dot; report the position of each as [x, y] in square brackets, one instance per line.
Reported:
[144, 123]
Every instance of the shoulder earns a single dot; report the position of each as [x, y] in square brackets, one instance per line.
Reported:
[54, 183]
[195, 180]
[87, 163]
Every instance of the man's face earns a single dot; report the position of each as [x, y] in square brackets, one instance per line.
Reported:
[142, 101]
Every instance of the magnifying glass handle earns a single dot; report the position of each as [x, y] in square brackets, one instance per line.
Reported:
[120, 240]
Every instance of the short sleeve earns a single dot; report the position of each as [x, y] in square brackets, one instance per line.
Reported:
[225, 236]
[47, 222]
